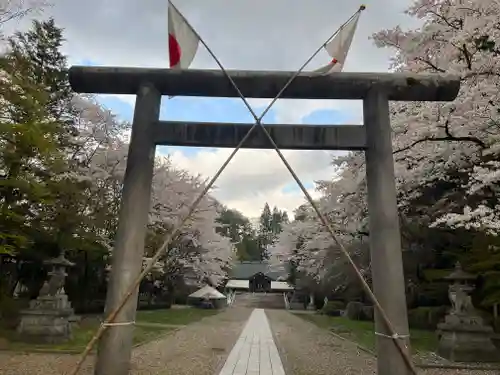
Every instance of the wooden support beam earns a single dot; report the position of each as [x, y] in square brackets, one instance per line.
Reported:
[293, 137]
[263, 84]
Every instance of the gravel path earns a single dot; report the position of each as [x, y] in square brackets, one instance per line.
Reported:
[198, 349]
[306, 349]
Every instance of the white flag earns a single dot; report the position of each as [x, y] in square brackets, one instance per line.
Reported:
[182, 40]
[339, 46]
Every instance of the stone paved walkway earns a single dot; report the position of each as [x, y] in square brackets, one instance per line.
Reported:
[255, 352]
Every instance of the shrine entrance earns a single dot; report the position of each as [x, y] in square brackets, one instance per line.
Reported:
[259, 283]
[374, 138]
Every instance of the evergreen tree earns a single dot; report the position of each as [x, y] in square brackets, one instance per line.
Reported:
[39, 63]
[248, 248]
[28, 148]
[239, 229]
[265, 219]
[38, 130]
[275, 220]
[279, 218]
[270, 225]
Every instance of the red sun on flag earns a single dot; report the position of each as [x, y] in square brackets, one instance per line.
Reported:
[174, 50]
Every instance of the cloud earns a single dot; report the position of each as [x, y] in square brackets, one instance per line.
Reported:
[253, 35]
[255, 177]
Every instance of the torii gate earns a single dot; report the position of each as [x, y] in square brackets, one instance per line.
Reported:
[375, 89]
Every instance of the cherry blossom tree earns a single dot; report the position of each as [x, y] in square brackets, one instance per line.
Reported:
[446, 154]
[309, 250]
[450, 144]
[199, 252]
[100, 160]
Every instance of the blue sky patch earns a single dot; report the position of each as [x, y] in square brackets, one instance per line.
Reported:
[292, 187]
[325, 117]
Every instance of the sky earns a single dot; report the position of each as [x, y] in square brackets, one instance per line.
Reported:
[244, 35]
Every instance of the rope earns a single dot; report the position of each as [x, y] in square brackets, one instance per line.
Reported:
[117, 324]
[395, 336]
[258, 122]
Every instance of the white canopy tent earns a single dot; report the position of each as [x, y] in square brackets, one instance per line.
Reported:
[207, 292]
[208, 296]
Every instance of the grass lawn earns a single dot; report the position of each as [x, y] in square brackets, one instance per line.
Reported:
[173, 316]
[81, 336]
[162, 321]
[363, 332]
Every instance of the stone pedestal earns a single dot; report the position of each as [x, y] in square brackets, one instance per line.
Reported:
[466, 339]
[48, 320]
[463, 336]
[50, 317]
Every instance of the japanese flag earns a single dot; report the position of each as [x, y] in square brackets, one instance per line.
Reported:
[339, 46]
[182, 40]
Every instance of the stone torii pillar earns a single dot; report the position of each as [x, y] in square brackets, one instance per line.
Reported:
[375, 89]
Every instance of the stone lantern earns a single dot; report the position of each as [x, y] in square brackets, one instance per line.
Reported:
[55, 284]
[48, 318]
[464, 337]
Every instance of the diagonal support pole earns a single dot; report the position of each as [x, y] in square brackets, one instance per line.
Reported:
[258, 122]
